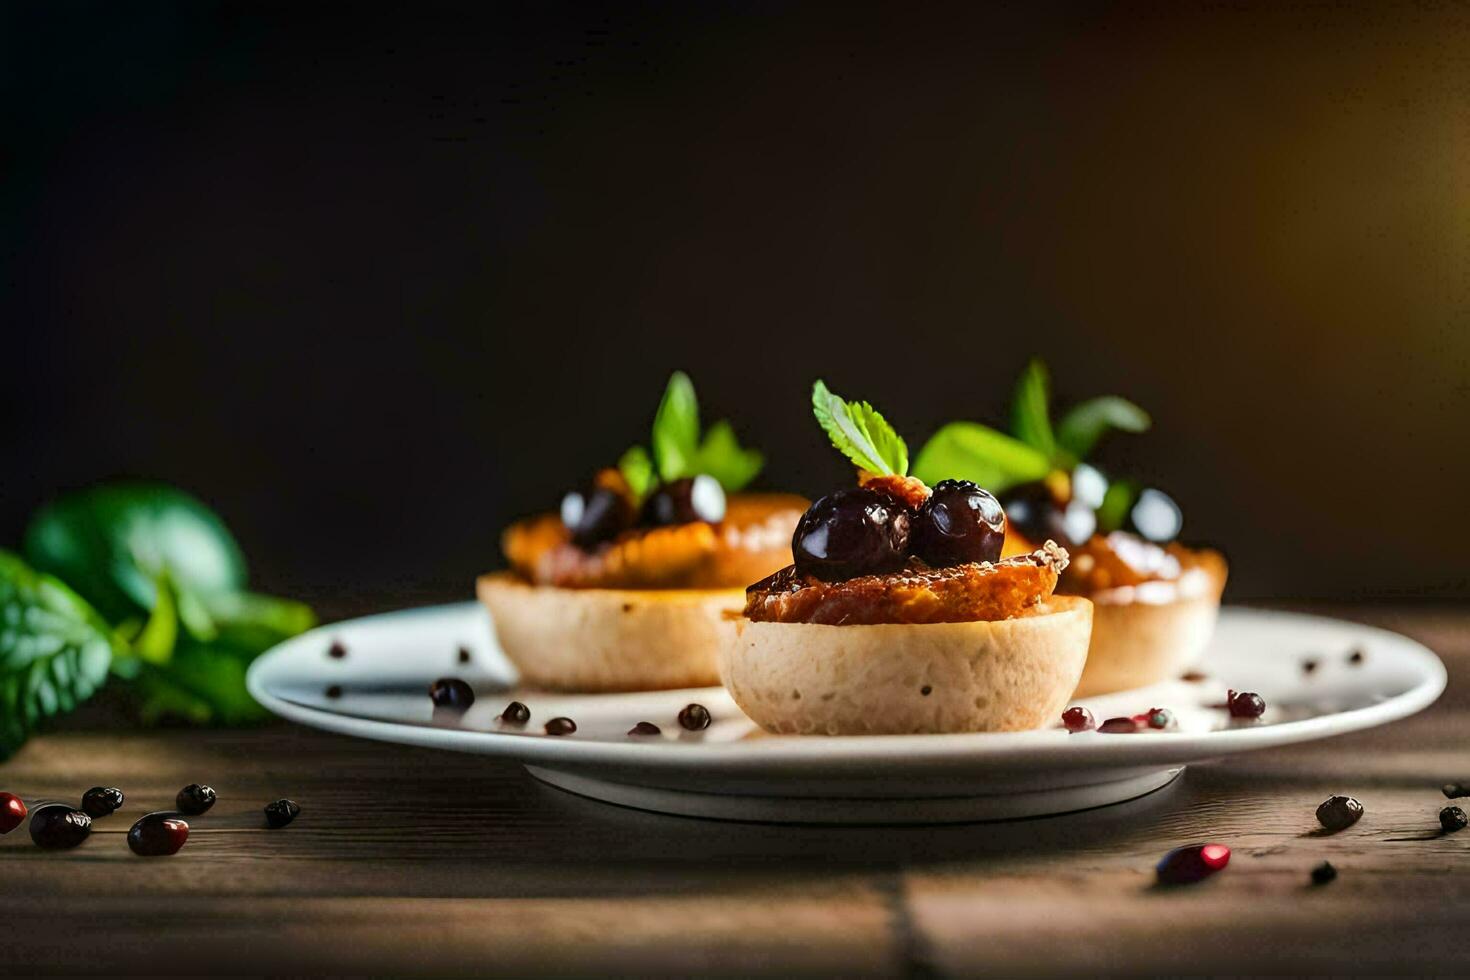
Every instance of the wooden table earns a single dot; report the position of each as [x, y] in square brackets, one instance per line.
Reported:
[412, 861]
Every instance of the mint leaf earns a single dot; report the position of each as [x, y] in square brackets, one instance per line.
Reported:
[1031, 409]
[722, 457]
[971, 451]
[54, 650]
[860, 433]
[1087, 422]
[676, 430]
[637, 470]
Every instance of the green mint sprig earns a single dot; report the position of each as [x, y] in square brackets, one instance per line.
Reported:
[681, 451]
[860, 433]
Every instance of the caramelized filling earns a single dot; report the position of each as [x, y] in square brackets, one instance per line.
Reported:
[964, 593]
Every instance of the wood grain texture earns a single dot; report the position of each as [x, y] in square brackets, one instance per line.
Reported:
[407, 861]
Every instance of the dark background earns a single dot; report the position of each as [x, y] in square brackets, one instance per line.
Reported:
[373, 283]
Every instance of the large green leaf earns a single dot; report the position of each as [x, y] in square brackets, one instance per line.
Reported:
[54, 650]
[971, 451]
[1031, 409]
[1086, 422]
[112, 542]
[676, 429]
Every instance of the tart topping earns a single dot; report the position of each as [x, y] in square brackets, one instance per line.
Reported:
[850, 533]
[598, 513]
[958, 523]
[700, 498]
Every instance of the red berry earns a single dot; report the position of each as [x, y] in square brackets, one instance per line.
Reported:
[1160, 718]
[1118, 726]
[12, 812]
[158, 835]
[1186, 865]
[1078, 719]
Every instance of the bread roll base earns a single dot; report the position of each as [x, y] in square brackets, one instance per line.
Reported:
[610, 639]
[1001, 676]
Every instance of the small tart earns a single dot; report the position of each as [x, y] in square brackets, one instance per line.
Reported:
[918, 594]
[754, 538]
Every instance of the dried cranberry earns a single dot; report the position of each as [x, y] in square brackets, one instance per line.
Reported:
[281, 812]
[1339, 812]
[1452, 818]
[694, 717]
[1078, 719]
[515, 713]
[194, 799]
[645, 728]
[1118, 726]
[851, 533]
[12, 812]
[158, 835]
[1244, 704]
[451, 693]
[958, 523]
[1185, 865]
[561, 726]
[56, 825]
[102, 801]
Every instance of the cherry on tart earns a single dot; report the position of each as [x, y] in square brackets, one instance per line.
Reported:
[629, 585]
[898, 614]
[1155, 600]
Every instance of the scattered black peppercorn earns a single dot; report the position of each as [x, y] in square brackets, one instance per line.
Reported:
[1193, 677]
[1323, 873]
[464, 655]
[694, 717]
[1118, 726]
[194, 799]
[1339, 812]
[1245, 704]
[451, 693]
[645, 728]
[561, 726]
[1186, 865]
[280, 813]
[1308, 666]
[158, 835]
[1453, 791]
[515, 713]
[1078, 719]
[56, 825]
[102, 801]
[334, 691]
[1356, 657]
[1452, 818]
[336, 651]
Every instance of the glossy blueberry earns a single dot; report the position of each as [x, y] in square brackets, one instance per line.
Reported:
[851, 533]
[959, 523]
[593, 515]
[451, 693]
[684, 502]
[56, 825]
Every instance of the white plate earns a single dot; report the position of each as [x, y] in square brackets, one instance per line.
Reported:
[733, 770]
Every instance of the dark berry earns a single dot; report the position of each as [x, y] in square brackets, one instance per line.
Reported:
[1309, 666]
[451, 693]
[12, 812]
[684, 502]
[595, 514]
[1339, 812]
[158, 835]
[1118, 726]
[194, 799]
[56, 825]
[1185, 865]
[1323, 873]
[1160, 718]
[464, 655]
[1078, 719]
[1244, 704]
[333, 691]
[851, 533]
[1155, 517]
[694, 718]
[1356, 657]
[1452, 818]
[561, 726]
[958, 523]
[281, 812]
[1037, 515]
[337, 651]
[515, 713]
[102, 801]
[1451, 791]
[645, 728]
